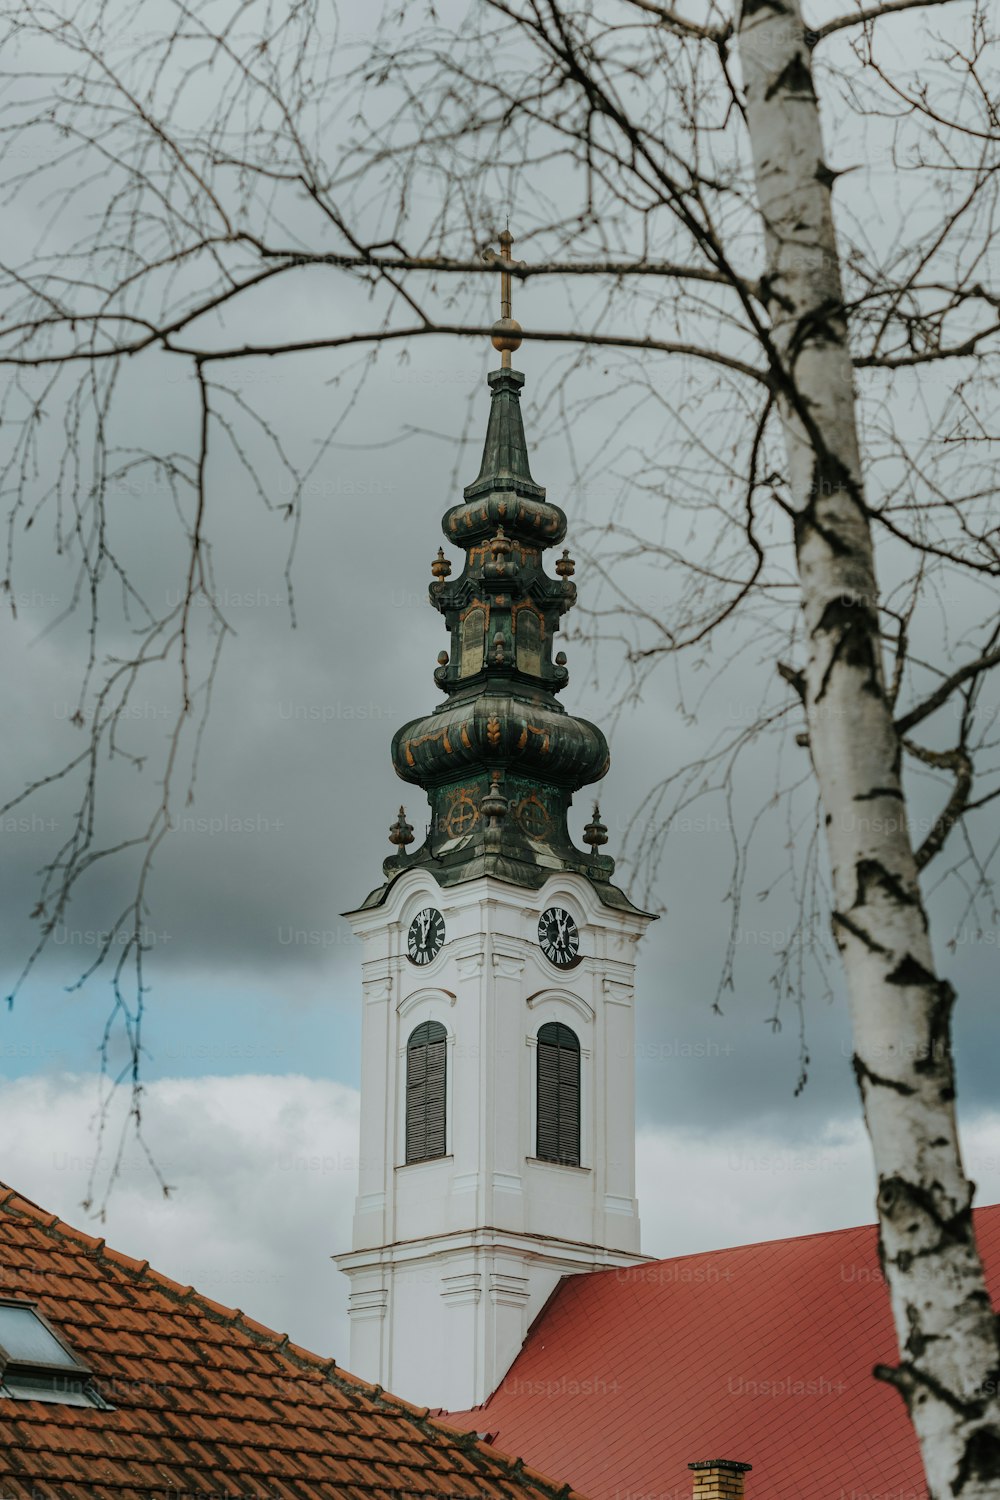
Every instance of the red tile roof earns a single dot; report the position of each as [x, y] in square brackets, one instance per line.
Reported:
[208, 1402]
[762, 1353]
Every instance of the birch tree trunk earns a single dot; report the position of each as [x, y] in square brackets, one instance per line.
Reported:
[900, 1009]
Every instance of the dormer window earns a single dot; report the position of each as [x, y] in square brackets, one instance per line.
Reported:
[36, 1364]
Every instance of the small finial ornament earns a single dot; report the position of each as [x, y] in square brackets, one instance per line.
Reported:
[401, 833]
[494, 809]
[442, 658]
[500, 546]
[494, 804]
[595, 834]
[441, 567]
[505, 334]
[565, 566]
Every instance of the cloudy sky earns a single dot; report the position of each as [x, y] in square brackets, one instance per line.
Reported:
[251, 1032]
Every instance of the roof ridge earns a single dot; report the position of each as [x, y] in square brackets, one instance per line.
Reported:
[783, 1239]
[622, 1273]
[488, 1457]
[97, 1248]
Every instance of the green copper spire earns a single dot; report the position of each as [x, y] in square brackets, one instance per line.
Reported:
[505, 452]
[500, 758]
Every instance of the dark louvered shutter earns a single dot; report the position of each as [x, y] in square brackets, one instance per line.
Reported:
[558, 1095]
[426, 1062]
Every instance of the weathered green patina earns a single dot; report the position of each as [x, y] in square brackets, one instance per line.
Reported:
[500, 758]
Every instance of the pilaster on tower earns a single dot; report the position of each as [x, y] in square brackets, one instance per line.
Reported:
[497, 1109]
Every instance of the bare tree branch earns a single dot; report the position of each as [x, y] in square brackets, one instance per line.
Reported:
[868, 14]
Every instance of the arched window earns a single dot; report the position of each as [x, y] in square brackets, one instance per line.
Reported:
[426, 1064]
[558, 1094]
[528, 641]
[473, 642]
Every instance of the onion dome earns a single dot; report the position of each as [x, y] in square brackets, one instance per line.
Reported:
[497, 731]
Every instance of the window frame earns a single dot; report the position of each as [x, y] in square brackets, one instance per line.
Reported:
[74, 1376]
[437, 1035]
[561, 1159]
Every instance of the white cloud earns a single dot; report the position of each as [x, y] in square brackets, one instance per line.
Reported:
[264, 1173]
[699, 1191]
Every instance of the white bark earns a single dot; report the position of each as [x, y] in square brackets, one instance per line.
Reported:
[900, 1009]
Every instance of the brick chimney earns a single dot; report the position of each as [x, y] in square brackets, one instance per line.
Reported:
[718, 1479]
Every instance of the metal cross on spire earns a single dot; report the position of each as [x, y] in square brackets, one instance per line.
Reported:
[506, 332]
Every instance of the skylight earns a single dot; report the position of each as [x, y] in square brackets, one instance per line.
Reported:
[36, 1364]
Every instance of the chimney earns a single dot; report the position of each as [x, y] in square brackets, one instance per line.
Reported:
[718, 1479]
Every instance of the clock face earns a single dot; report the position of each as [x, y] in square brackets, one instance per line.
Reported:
[425, 936]
[558, 937]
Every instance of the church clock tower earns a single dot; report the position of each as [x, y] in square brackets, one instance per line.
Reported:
[497, 1109]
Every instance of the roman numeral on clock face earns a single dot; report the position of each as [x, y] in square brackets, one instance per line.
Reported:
[558, 937]
[426, 936]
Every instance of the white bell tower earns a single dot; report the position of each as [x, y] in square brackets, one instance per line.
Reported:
[497, 1148]
[455, 1255]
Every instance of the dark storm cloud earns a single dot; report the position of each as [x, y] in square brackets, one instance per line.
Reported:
[296, 792]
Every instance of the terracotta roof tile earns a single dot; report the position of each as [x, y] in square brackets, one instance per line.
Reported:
[206, 1401]
[763, 1353]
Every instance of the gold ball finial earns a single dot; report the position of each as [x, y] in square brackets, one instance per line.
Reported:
[505, 335]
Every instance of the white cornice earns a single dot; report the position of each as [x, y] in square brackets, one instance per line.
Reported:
[571, 1254]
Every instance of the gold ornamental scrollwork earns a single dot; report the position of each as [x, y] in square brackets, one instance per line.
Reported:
[533, 817]
[411, 745]
[462, 815]
[532, 729]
